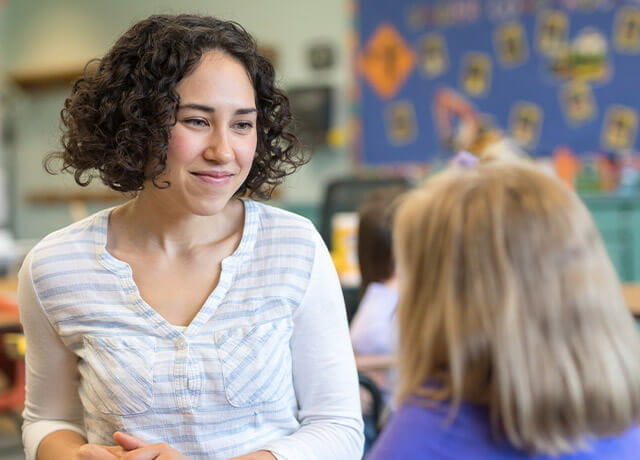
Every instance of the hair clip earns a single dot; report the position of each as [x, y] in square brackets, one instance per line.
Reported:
[464, 159]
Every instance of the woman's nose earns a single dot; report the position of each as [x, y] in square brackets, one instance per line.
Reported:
[219, 149]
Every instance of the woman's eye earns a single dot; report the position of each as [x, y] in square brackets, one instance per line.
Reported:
[244, 125]
[198, 122]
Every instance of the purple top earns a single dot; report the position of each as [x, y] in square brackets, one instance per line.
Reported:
[416, 432]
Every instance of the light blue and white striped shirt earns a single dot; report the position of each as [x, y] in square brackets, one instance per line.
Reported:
[265, 364]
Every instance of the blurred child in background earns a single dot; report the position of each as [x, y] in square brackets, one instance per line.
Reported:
[372, 328]
[514, 338]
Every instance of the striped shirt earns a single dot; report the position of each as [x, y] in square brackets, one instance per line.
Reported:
[265, 364]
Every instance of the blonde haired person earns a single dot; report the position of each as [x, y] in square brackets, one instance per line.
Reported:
[372, 328]
[514, 339]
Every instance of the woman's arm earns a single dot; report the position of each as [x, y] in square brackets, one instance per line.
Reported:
[60, 444]
[53, 411]
[324, 373]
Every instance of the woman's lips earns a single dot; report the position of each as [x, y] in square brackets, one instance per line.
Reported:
[213, 179]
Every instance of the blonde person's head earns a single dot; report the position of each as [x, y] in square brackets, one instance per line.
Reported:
[508, 298]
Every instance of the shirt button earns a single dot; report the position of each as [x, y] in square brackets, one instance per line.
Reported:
[181, 342]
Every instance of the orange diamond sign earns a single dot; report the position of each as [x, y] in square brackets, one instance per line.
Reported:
[386, 61]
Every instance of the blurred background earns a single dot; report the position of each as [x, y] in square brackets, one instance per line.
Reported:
[384, 92]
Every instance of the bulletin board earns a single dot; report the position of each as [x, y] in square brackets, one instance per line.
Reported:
[547, 73]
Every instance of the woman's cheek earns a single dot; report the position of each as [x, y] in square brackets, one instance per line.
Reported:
[182, 147]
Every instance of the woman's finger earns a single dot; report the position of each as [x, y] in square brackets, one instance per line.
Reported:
[153, 451]
[128, 442]
[98, 452]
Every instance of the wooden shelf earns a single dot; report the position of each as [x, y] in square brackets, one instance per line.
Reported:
[55, 197]
[46, 78]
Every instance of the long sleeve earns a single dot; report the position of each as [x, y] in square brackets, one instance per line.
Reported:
[52, 401]
[324, 372]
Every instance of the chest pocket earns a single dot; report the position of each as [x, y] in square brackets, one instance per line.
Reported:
[118, 373]
[256, 362]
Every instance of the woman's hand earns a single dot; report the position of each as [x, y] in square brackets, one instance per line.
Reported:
[137, 449]
[98, 452]
[260, 455]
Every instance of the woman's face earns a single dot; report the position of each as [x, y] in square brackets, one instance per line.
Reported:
[213, 142]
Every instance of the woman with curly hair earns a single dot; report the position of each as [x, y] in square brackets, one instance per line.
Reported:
[191, 321]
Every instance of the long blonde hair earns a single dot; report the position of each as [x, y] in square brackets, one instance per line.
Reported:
[508, 298]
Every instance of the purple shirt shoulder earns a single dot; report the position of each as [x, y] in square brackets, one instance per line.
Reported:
[418, 432]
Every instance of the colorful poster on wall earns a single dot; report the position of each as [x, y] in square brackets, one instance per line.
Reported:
[547, 74]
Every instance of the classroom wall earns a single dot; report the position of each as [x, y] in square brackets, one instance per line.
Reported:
[41, 35]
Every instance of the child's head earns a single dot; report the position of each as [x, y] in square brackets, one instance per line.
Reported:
[507, 297]
[375, 255]
[118, 119]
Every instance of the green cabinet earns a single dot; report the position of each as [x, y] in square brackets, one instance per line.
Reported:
[617, 218]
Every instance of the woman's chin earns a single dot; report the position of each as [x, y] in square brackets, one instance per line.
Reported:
[209, 207]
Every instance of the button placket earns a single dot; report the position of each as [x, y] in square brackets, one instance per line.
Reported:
[194, 383]
[181, 373]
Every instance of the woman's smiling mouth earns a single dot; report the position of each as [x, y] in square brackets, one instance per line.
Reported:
[213, 177]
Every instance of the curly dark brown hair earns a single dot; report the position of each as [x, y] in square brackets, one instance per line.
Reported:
[117, 121]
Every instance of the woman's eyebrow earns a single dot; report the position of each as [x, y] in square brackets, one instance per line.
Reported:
[200, 107]
[245, 111]
[209, 109]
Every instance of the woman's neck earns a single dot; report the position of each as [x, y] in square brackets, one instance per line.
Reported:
[146, 224]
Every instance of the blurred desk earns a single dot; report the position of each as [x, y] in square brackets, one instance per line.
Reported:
[631, 293]
[9, 321]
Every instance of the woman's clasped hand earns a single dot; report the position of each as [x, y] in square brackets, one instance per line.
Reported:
[130, 448]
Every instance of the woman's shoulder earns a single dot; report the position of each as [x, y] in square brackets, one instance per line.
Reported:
[269, 212]
[281, 222]
[83, 234]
